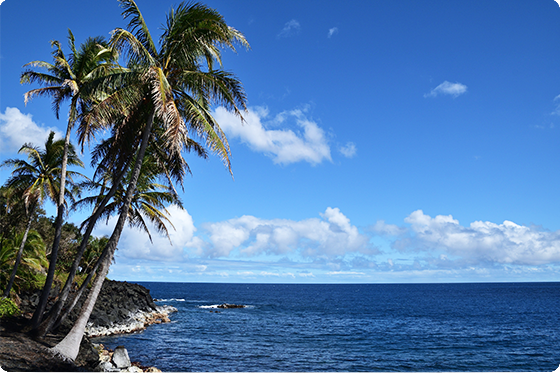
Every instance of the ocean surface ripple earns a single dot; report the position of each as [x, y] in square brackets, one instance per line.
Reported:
[359, 327]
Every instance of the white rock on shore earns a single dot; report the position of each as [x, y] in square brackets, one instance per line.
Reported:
[112, 361]
[137, 321]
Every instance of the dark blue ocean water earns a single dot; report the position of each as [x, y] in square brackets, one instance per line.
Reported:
[370, 327]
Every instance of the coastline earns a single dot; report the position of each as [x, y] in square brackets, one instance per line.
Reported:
[122, 308]
[136, 322]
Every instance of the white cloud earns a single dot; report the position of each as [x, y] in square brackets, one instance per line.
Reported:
[447, 88]
[384, 229]
[349, 150]
[135, 244]
[332, 31]
[291, 28]
[333, 235]
[245, 273]
[481, 242]
[306, 274]
[17, 129]
[275, 274]
[557, 103]
[285, 145]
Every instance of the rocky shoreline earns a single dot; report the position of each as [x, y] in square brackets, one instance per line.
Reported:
[124, 307]
[136, 321]
[120, 308]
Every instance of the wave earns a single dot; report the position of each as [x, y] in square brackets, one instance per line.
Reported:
[169, 300]
[226, 305]
[212, 306]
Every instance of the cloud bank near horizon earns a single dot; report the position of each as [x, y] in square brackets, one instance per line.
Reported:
[422, 247]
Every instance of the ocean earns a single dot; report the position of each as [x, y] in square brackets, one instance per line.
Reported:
[352, 327]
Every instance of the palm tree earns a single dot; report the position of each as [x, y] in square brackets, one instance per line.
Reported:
[113, 153]
[177, 91]
[38, 179]
[148, 204]
[33, 257]
[67, 79]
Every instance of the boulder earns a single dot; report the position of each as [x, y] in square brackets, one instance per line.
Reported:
[133, 369]
[152, 369]
[120, 358]
[88, 355]
[106, 366]
[227, 305]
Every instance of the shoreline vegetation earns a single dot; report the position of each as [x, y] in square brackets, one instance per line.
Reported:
[141, 104]
[125, 308]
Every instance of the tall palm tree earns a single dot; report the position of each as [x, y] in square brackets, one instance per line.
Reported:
[38, 179]
[179, 83]
[110, 155]
[148, 204]
[67, 79]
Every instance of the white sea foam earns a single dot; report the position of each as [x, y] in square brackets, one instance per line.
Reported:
[222, 304]
[169, 300]
[212, 306]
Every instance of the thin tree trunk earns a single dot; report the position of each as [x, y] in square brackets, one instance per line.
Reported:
[80, 291]
[47, 325]
[70, 345]
[37, 316]
[18, 259]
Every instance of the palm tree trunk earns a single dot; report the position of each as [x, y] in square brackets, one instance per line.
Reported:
[37, 316]
[70, 345]
[18, 258]
[47, 325]
[78, 295]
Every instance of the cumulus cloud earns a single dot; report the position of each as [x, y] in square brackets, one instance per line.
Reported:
[332, 31]
[332, 235]
[291, 28]
[135, 244]
[349, 150]
[284, 145]
[384, 229]
[447, 88]
[17, 129]
[481, 242]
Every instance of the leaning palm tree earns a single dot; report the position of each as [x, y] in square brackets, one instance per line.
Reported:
[110, 155]
[179, 83]
[148, 204]
[38, 179]
[67, 79]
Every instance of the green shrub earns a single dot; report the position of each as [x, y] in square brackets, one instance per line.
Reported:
[8, 308]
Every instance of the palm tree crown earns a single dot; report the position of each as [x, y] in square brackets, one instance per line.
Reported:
[38, 178]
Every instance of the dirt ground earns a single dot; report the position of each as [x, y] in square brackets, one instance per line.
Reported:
[20, 353]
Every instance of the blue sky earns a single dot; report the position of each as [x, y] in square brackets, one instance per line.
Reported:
[386, 141]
